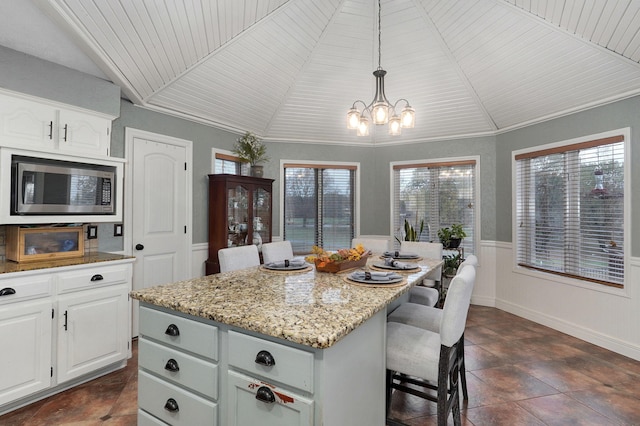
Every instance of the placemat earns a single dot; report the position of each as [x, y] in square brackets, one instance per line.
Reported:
[398, 284]
[295, 271]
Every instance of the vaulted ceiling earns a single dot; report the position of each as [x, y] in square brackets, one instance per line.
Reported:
[289, 70]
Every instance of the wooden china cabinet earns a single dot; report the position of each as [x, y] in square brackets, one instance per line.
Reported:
[239, 214]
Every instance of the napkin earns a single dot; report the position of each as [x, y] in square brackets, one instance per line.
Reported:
[293, 263]
[402, 265]
[374, 276]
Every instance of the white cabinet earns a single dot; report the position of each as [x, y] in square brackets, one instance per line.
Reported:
[60, 326]
[178, 376]
[42, 125]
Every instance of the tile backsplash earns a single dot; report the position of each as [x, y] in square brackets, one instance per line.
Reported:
[90, 246]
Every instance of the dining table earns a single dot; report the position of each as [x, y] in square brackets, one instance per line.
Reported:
[340, 322]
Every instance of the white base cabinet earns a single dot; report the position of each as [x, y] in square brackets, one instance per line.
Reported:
[61, 326]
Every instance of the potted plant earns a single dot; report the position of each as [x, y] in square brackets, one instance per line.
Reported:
[250, 149]
[451, 237]
[451, 263]
[410, 233]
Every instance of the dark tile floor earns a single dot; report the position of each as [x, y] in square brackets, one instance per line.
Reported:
[519, 373]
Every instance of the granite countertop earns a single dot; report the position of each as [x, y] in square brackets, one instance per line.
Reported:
[9, 266]
[311, 308]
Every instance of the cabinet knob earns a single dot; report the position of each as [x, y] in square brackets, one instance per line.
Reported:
[172, 365]
[265, 358]
[139, 246]
[172, 330]
[264, 394]
[171, 405]
[7, 291]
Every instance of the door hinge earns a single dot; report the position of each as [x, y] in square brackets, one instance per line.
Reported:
[185, 165]
[51, 371]
[185, 229]
[52, 313]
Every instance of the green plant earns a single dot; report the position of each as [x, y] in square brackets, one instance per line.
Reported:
[250, 149]
[451, 263]
[410, 233]
[446, 235]
[457, 231]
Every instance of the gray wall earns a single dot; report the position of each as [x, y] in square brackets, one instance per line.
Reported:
[597, 120]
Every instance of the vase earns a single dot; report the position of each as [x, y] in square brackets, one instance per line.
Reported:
[256, 170]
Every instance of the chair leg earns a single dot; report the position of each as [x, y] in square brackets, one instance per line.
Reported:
[461, 366]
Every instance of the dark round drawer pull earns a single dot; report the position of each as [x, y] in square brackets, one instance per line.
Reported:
[172, 330]
[172, 365]
[265, 358]
[7, 291]
[172, 405]
[97, 277]
[264, 394]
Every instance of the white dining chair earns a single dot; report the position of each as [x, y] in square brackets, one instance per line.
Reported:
[429, 293]
[277, 251]
[234, 258]
[429, 318]
[431, 358]
[375, 245]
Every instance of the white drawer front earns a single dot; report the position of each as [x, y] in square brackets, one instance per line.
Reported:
[192, 336]
[146, 419]
[190, 409]
[97, 276]
[286, 408]
[25, 288]
[293, 367]
[179, 367]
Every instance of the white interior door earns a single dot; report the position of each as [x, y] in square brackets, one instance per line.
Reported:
[160, 225]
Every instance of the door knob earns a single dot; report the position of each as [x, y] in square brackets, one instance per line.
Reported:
[139, 247]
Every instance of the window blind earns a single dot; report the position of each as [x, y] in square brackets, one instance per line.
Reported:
[570, 210]
[225, 163]
[437, 195]
[319, 206]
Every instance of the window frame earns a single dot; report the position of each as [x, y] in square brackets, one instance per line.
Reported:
[223, 154]
[559, 278]
[439, 162]
[318, 164]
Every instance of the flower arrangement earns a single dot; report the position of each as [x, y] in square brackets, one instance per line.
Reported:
[250, 149]
[339, 260]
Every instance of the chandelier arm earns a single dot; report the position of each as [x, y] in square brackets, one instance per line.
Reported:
[400, 100]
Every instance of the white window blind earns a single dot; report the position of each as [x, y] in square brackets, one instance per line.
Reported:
[230, 164]
[437, 195]
[319, 206]
[570, 210]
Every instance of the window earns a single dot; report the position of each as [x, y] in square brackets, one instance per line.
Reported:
[319, 206]
[437, 194]
[570, 210]
[230, 164]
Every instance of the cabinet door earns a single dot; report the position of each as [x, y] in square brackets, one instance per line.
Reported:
[81, 133]
[252, 402]
[27, 124]
[25, 333]
[261, 216]
[237, 215]
[92, 330]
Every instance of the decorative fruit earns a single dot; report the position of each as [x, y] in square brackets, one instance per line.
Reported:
[324, 257]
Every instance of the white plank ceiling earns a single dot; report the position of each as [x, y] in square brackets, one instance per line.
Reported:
[289, 70]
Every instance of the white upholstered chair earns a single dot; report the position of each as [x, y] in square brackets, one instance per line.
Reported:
[430, 318]
[277, 251]
[376, 245]
[234, 258]
[430, 358]
[429, 293]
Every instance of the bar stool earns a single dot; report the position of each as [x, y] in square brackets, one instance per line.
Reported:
[429, 293]
[277, 251]
[430, 359]
[430, 318]
[234, 258]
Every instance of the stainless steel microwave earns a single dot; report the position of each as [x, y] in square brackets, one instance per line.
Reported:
[42, 186]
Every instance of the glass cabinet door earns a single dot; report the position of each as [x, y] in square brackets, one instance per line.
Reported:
[237, 216]
[261, 217]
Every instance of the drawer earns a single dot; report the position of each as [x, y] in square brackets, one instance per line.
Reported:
[146, 419]
[179, 367]
[25, 288]
[293, 367]
[275, 407]
[181, 333]
[96, 276]
[154, 394]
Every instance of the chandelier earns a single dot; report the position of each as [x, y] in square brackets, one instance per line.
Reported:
[380, 110]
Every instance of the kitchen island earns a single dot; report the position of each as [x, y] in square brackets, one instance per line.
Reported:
[271, 347]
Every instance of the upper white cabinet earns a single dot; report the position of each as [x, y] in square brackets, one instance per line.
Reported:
[46, 126]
